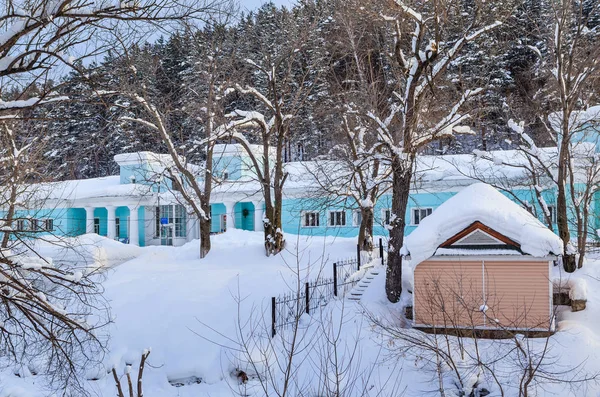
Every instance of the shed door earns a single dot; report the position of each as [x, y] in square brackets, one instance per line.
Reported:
[449, 293]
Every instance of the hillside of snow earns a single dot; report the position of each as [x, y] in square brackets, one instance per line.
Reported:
[193, 313]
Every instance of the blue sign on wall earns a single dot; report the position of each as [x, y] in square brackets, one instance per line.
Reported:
[164, 221]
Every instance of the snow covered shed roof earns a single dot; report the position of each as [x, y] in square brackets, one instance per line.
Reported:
[480, 203]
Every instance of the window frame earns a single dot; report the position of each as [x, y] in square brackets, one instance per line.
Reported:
[386, 216]
[48, 224]
[356, 217]
[179, 221]
[413, 218]
[176, 217]
[337, 221]
[316, 218]
[553, 218]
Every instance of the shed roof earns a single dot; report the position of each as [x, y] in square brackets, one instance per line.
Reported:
[484, 204]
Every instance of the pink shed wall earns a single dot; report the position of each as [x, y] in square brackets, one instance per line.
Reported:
[452, 292]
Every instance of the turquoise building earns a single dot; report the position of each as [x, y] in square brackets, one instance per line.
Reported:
[140, 206]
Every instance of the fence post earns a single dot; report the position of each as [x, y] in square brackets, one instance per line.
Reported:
[307, 293]
[358, 255]
[334, 279]
[381, 252]
[273, 303]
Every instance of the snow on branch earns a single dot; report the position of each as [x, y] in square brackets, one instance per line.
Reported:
[255, 93]
[519, 129]
[248, 119]
[26, 103]
[410, 11]
[441, 65]
[448, 125]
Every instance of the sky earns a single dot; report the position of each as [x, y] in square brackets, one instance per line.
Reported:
[253, 4]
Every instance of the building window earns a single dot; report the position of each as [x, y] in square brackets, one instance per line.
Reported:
[387, 216]
[356, 217]
[35, 225]
[180, 217]
[173, 215]
[97, 225]
[49, 225]
[117, 227]
[418, 214]
[337, 218]
[20, 225]
[311, 219]
[157, 222]
[552, 210]
[225, 175]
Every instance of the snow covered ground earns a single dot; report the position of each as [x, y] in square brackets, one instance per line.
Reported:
[186, 311]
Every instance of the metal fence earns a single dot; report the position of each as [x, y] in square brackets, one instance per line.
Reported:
[286, 309]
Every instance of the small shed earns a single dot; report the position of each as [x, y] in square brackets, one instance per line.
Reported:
[481, 262]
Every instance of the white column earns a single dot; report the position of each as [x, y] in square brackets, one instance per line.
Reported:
[191, 227]
[258, 216]
[229, 206]
[111, 223]
[134, 230]
[89, 220]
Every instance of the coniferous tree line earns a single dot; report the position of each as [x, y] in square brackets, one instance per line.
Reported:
[84, 133]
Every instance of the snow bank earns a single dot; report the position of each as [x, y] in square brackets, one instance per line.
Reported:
[483, 203]
[90, 249]
[576, 286]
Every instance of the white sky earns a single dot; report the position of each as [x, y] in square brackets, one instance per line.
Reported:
[253, 4]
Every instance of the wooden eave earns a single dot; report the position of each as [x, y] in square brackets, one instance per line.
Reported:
[479, 226]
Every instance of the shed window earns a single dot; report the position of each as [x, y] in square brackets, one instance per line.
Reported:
[419, 214]
[337, 218]
[311, 219]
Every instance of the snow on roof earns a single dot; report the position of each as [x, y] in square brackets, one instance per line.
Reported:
[578, 119]
[88, 188]
[136, 158]
[483, 203]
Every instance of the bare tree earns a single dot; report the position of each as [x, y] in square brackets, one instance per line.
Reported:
[269, 117]
[205, 91]
[569, 67]
[358, 174]
[538, 172]
[419, 111]
[51, 312]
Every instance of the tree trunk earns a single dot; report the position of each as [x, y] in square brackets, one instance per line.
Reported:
[561, 206]
[10, 214]
[274, 241]
[205, 222]
[205, 230]
[365, 233]
[402, 174]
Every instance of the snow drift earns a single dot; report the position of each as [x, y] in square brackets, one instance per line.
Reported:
[483, 203]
